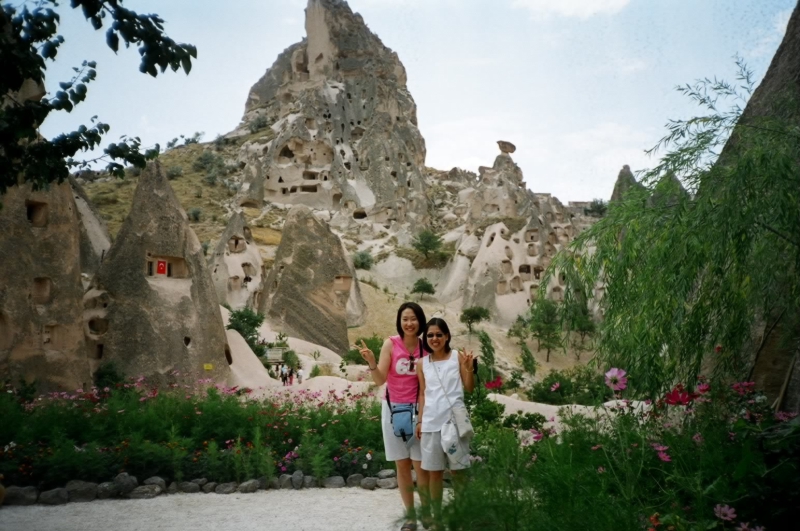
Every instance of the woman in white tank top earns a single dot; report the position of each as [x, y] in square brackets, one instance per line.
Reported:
[443, 375]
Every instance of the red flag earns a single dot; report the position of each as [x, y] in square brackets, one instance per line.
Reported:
[161, 268]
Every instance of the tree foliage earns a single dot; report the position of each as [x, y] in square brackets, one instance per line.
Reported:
[474, 315]
[694, 277]
[427, 242]
[362, 260]
[29, 38]
[546, 325]
[246, 322]
[423, 286]
[597, 208]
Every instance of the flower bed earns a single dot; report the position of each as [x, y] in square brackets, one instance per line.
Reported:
[180, 433]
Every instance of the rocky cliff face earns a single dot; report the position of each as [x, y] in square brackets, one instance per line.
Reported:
[507, 240]
[41, 329]
[237, 268]
[152, 308]
[311, 291]
[341, 126]
[95, 241]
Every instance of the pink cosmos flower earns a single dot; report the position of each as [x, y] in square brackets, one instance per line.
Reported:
[659, 447]
[555, 386]
[600, 470]
[743, 526]
[616, 379]
[664, 457]
[724, 512]
[703, 388]
[697, 438]
[597, 447]
[537, 436]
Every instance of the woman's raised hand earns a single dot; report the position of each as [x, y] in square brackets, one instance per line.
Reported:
[465, 358]
[367, 354]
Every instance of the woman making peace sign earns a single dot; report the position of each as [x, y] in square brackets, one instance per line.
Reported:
[399, 357]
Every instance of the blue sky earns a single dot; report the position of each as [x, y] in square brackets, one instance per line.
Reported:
[580, 86]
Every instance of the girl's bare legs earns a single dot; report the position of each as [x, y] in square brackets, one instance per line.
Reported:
[422, 488]
[406, 486]
[435, 488]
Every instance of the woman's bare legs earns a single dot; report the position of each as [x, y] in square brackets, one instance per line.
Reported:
[422, 488]
[406, 486]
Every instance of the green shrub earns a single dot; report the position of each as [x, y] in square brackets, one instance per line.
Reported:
[423, 287]
[290, 359]
[194, 214]
[315, 371]
[108, 375]
[577, 385]
[524, 421]
[260, 122]
[207, 160]
[374, 343]
[173, 172]
[246, 322]
[474, 315]
[362, 260]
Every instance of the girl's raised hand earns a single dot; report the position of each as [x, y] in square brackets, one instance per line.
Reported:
[366, 353]
[465, 359]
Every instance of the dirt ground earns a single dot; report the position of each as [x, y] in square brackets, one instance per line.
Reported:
[346, 509]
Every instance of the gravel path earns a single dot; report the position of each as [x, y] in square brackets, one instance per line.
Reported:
[346, 509]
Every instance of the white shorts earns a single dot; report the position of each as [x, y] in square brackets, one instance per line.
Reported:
[396, 448]
[434, 457]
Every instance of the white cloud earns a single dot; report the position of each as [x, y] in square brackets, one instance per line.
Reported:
[570, 8]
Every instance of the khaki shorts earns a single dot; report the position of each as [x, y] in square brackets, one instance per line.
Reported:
[394, 446]
[434, 457]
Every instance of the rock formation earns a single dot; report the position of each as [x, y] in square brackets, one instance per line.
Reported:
[236, 266]
[509, 238]
[311, 292]
[41, 330]
[152, 308]
[338, 126]
[95, 241]
[625, 181]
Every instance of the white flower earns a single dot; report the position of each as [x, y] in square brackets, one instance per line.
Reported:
[364, 466]
[369, 457]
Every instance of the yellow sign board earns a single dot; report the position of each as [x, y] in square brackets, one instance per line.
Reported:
[208, 366]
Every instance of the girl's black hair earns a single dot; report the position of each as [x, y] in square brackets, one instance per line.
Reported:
[417, 309]
[442, 325]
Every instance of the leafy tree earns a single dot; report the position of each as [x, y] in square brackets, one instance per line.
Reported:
[427, 242]
[290, 358]
[374, 343]
[423, 287]
[546, 325]
[597, 208]
[246, 322]
[362, 260]
[474, 315]
[529, 363]
[521, 329]
[487, 353]
[28, 40]
[693, 276]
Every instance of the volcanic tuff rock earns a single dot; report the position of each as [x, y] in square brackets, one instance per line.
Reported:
[236, 266]
[510, 235]
[95, 241]
[625, 181]
[342, 128]
[310, 289]
[41, 330]
[152, 308]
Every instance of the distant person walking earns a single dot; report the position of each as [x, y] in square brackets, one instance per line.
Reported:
[399, 356]
[300, 375]
[291, 375]
[284, 375]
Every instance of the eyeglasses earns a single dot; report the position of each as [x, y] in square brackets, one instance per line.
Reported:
[431, 336]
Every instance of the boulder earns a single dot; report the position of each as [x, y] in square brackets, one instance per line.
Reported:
[152, 302]
[388, 483]
[297, 480]
[248, 486]
[81, 491]
[285, 481]
[173, 488]
[155, 480]
[369, 483]
[209, 487]
[310, 482]
[263, 483]
[107, 489]
[506, 147]
[200, 481]
[274, 483]
[226, 488]
[387, 473]
[54, 497]
[188, 487]
[312, 287]
[354, 480]
[335, 482]
[125, 483]
[145, 492]
[21, 496]
[41, 323]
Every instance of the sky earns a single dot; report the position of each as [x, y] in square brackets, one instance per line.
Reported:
[581, 87]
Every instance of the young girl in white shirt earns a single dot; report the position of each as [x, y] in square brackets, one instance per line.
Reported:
[443, 375]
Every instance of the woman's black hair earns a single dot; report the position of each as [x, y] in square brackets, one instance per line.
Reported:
[417, 309]
[442, 325]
